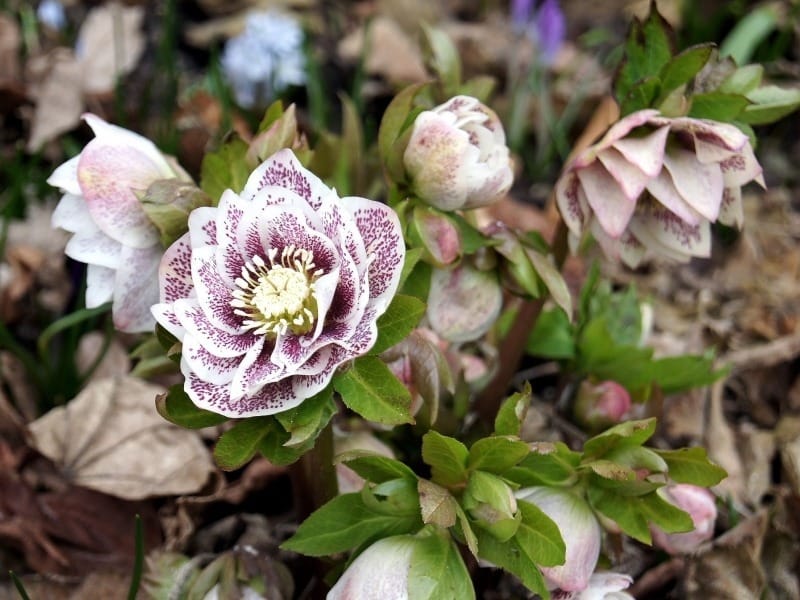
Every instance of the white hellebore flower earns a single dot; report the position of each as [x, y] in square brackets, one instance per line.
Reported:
[655, 184]
[112, 233]
[457, 156]
[580, 530]
[603, 585]
[273, 289]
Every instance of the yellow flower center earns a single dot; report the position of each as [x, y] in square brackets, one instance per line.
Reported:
[278, 296]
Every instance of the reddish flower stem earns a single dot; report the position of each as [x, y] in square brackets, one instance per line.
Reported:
[314, 476]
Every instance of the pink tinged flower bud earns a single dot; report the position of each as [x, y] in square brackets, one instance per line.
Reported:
[111, 232]
[700, 504]
[379, 573]
[603, 585]
[348, 480]
[275, 288]
[579, 529]
[457, 156]
[601, 405]
[655, 184]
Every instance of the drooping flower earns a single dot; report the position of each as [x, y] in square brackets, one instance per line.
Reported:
[379, 573]
[265, 59]
[457, 156]
[603, 585]
[273, 289]
[112, 233]
[700, 504]
[580, 530]
[655, 184]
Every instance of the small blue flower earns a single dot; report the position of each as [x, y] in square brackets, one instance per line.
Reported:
[51, 14]
[265, 59]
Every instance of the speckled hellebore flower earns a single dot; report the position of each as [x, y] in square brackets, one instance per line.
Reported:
[702, 508]
[112, 233]
[580, 530]
[457, 156]
[655, 184]
[273, 289]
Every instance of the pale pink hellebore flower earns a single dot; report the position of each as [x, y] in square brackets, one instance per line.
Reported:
[579, 529]
[654, 183]
[378, 573]
[702, 508]
[273, 289]
[457, 156]
[603, 585]
[112, 233]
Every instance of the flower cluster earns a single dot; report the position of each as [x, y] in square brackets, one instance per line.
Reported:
[656, 184]
[273, 289]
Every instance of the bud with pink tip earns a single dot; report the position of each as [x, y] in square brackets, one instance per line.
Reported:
[700, 504]
[601, 405]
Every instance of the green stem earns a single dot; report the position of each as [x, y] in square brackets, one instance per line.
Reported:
[314, 476]
[512, 346]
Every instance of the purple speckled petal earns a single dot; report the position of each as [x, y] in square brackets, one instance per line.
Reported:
[166, 317]
[664, 233]
[383, 242]
[205, 365]
[256, 370]
[272, 398]
[282, 169]
[731, 212]
[99, 285]
[218, 341]
[700, 185]
[611, 206]
[630, 178]
[572, 202]
[663, 189]
[281, 227]
[136, 289]
[742, 168]
[203, 226]
[175, 271]
[623, 127]
[647, 152]
[72, 214]
[229, 260]
[210, 396]
[66, 177]
[94, 248]
[213, 292]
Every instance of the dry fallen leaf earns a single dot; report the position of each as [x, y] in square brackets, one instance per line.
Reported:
[115, 361]
[111, 439]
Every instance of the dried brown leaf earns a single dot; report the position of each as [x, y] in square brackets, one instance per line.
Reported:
[111, 439]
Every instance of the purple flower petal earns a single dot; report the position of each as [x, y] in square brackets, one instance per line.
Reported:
[207, 366]
[572, 202]
[229, 214]
[647, 152]
[660, 229]
[663, 189]
[175, 271]
[219, 341]
[214, 293]
[203, 226]
[282, 169]
[630, 178]
[731, 212]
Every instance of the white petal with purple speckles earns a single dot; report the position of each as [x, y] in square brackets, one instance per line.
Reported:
[94, 248]
[213, 292]
[203, 226]
[136, 289]
[219, 341]
[698, 184]
[208, 366]
[72, 214]
[175, 271]
[611, 206]
[572, 203]
[99, 285]
[283, 170]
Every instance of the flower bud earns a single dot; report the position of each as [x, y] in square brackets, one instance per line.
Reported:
[601, 405]
[379, 573]
[491, 502]
[348, 480]
[457, 156]
[579, 530]
[605, 585]
[699, 503]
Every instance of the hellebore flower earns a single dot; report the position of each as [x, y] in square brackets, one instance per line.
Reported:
[266, 58]
[601, 405]
[700, 504]
[379, 573]
[579, 529]
[276, 287]
[457, 156]
[112, 233]
[603, 585]
[656, 184]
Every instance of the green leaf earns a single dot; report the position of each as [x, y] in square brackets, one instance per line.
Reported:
[472, 239]
[444, 58]
[436, 504]
[770, 103]
[413, 256]
[346, 522]
[371, 389]
[552, 279]
[512, 557]
[274, 444]
[240, 443]
[496, 454]
[225, 169]
[447, 458]
[675, 374]
[375, 468]
[418, 283]
[620, 479]
[634, 513]
[305, 421]
[512, 412]
[437, 571]
[552, 336]
[749, 32]
[539, 536]
[176, 407]
[718, 106]
[691, 465]
[630, 433]
[393, 123]
[400, 318]
[743, 80]
[547, 464]
[464, 529]
[683, 67]
[642, 95]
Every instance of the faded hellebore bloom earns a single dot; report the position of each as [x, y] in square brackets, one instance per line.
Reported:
[603, 585]
[273, 289]
[702, 508]
[112, 233]
[457, 156]
[580, 530]
[654, 185]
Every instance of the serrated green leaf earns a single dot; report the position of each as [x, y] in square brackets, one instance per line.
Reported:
[436, 571]
[634, 513]
[770, 103]
[447, 458]
[400, 318]
[512, 557]
[375, 468]
[240, 443]
[512, 412]
[547, 464]
[630, 433]
[309, 418]
[692, 465]
[437, 505]
[718, 106]
[539, 536]
[683, 67]
[227, 168]
[346, 522]
[496, 454]
[176, 407]
[371, 389]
